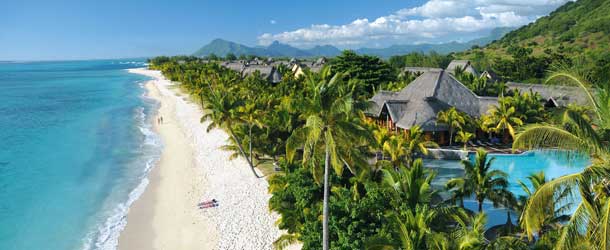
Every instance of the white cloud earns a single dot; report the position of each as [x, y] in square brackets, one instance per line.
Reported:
[434, 21]
[272, 21]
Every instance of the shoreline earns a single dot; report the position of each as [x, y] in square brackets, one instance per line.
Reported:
[193, 168]
[165, 214]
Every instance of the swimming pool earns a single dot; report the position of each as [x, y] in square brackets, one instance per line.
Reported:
[518, 167]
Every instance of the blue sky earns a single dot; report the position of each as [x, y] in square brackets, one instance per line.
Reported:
[52, 30]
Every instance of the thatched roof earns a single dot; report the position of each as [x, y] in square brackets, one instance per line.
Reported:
[490, 75]
[236, 66]
[464, 64]
[420, 102]
[378, 100]
[417, 70]
[268, 72]
[321, 61]
[560, 95]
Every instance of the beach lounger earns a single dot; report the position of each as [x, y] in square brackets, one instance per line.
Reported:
[213, 201]
[208, 206]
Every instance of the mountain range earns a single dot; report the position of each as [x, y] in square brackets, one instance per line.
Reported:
[222, 47]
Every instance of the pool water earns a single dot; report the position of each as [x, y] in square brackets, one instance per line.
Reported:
[518, 167]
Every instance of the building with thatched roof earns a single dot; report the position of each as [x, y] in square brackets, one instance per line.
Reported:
[490, 76]
[298, 68]
[465, 65]
[270, 73]
[553, 95]
[416, 70]
[238, 66]
[421, 100]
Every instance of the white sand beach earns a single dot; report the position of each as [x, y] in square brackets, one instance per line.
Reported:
[193, 168]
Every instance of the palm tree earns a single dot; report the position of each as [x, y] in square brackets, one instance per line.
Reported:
[556, 210]
[590, 223]
[464, 137]
[413, 231]
[221, 111]
[332, 126]
[470, 232]
[416, 143]
[481, 180]
[395, 148]
[252, 117]
[453, 118]
[502, 118]
[411, 186]
[507, 243]
[401, 149]
[381, 135]
[528, 106]
[459, 189]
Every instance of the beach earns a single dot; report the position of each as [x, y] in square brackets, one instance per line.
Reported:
[192, 169]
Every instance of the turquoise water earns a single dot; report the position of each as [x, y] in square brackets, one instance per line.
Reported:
[75, 146]
[518, 167]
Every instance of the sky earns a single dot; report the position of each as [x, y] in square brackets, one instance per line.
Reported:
[87, 29]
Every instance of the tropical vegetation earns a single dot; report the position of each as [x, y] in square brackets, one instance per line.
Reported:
[341, 181]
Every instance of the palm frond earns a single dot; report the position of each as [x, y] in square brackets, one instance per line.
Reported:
[532, 218]
[285, 240]
[541, 136]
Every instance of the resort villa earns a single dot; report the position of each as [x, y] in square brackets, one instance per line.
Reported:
[419, 103]
[465, 65]
[553, 95]
[433, 91]
[269, 68]
[436, 90]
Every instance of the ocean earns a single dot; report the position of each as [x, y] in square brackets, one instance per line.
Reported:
[75, 147]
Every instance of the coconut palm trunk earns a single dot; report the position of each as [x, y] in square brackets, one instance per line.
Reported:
[250, 142]
[243, 152]
[450, 135]
[325, 202]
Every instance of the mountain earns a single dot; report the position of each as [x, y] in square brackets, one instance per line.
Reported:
[324, 50]
[222, 47]
[442, 48]
[494, 35]
[278, 49]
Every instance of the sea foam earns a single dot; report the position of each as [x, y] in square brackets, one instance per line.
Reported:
[106, 236]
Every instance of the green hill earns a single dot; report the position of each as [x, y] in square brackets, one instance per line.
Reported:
[576, 34]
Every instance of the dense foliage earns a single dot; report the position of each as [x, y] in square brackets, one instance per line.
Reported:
[334, 173]
[371, 70]
[416, 59]
[576, 34]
